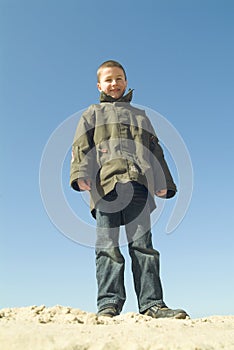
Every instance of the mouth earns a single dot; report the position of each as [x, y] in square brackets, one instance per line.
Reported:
[115, 92]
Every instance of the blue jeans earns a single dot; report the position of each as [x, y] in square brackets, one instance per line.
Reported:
[126, 205]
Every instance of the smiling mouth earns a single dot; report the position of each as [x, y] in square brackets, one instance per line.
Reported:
[115, 90]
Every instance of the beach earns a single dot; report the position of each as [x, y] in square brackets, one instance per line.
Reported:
[66, 328]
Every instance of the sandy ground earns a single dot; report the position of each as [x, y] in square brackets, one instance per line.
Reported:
[64, 328]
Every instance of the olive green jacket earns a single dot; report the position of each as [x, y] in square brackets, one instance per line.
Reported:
[115, 142]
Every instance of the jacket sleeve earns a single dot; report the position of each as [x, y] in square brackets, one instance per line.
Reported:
[162, 175]
[82, 161]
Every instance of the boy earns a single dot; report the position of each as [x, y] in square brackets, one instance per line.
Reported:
[117, 158]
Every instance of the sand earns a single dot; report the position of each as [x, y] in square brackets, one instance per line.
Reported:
[65, 328]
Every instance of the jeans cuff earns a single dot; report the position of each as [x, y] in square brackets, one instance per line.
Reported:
[107, 303]
[158, 303]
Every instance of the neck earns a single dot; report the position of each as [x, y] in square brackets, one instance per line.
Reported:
[125, 98]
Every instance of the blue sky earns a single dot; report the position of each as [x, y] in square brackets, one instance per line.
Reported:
[179, 59]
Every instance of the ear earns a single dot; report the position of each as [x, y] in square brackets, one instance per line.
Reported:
[99, 86]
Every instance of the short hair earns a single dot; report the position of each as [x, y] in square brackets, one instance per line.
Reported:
[110, 63]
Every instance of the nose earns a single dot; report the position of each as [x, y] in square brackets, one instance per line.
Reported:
[114, 82]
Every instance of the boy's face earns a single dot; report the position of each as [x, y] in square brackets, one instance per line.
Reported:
[112, 82]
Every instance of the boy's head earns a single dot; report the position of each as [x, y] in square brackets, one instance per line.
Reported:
[112, 79]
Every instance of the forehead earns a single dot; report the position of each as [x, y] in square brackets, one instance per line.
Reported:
[111, 71]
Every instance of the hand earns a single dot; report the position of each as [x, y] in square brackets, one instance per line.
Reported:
[84, 184]
[161, 193]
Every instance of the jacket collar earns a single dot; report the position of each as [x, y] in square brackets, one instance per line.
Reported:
[107, 98]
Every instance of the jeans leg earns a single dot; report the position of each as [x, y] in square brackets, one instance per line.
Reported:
[145, 268]
[109, 261]
[145, 259]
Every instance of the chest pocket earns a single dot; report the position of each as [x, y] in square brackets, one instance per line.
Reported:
[108, 150]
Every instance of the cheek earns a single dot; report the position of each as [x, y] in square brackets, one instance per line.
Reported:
[105, 87]
[124, 85]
